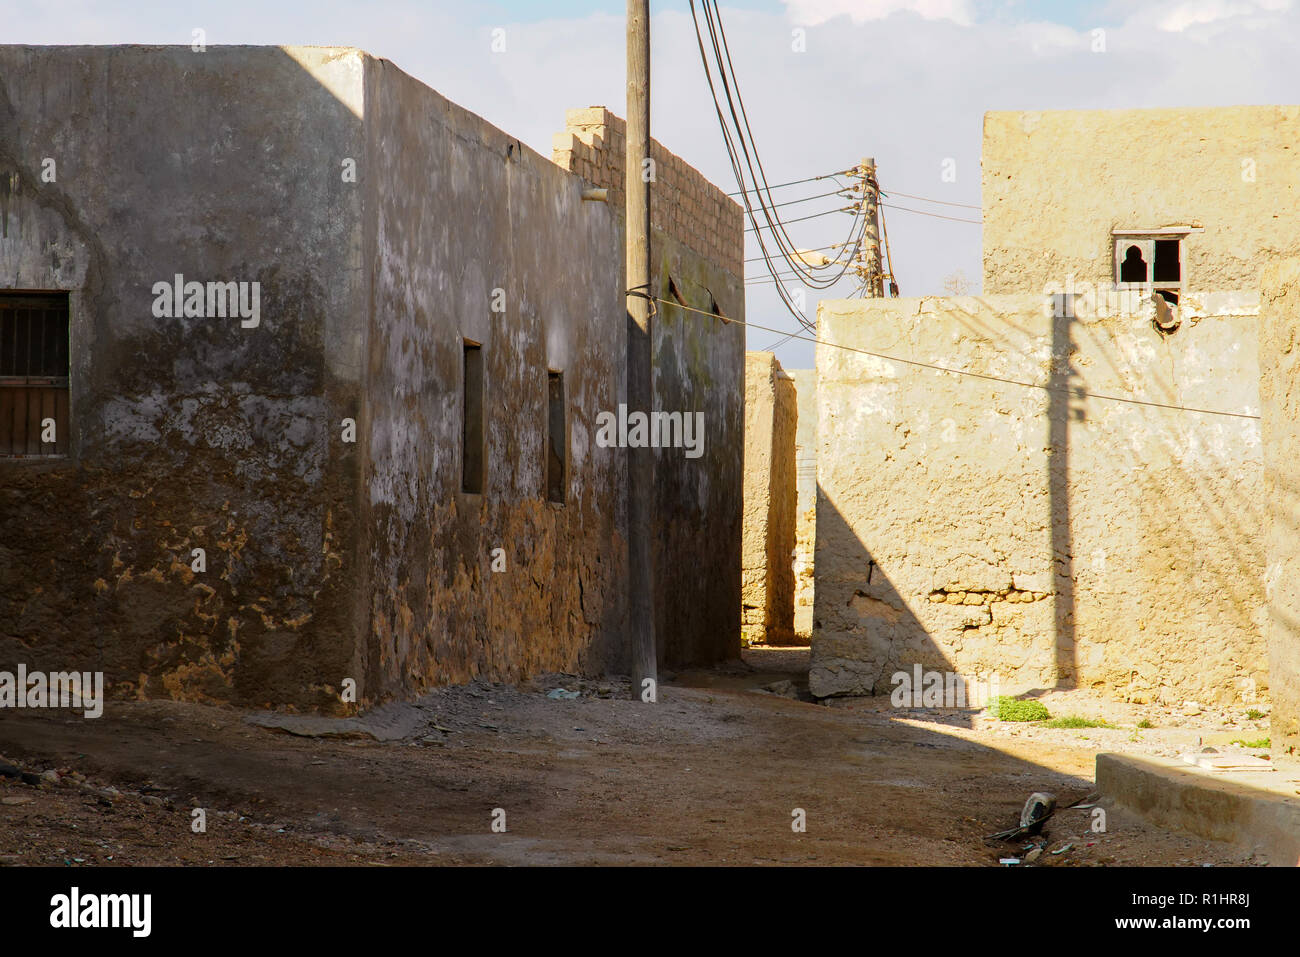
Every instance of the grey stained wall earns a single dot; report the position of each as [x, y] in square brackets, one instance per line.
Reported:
[460, 209]
[330, 559]
[187, 433]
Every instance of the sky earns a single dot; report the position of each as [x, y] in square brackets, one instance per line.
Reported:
[905, 81]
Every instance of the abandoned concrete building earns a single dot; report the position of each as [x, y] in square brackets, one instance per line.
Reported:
[1089, 508]
[300, 371]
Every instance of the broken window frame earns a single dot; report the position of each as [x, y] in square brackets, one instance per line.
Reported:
[1145, 240]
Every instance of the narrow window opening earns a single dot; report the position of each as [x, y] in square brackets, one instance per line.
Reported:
[33, 374]
[1167, 266]
[472, 452]
[556, 443]
[1134, 267]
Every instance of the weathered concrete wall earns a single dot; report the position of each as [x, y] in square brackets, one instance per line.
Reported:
[698, 368]
[805, 526]
[1056, 183]
[328, 558]
[187, 432]
[696, 251]
[767, 597]
[461, 209]
[1279, 327]
[980, 526]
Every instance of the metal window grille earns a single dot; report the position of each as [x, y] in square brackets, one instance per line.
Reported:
[33, 374]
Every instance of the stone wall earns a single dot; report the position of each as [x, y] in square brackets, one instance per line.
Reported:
[1279, 328]
[980, 526]
[1056, 183]
[767, 599]
[805, 528]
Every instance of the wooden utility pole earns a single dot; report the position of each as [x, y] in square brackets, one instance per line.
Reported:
[870, 268]
[640, 461]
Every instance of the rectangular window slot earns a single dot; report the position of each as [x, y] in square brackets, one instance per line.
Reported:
[472, 449]
[557, 445]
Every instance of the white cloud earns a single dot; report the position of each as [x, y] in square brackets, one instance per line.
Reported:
[1179, 16]
[813, 12]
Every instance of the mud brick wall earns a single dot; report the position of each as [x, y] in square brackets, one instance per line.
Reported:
[983, 527]
[805, 527]
[767, 599]
[1279, 327]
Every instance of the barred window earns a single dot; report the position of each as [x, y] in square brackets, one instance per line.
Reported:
[33, 374]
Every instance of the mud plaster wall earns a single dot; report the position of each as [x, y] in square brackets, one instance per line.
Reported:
[1279, 326]
[222, 165]
[1056, 183]
[805, 526]
[696, 248]
[980, 527]
[767, 599]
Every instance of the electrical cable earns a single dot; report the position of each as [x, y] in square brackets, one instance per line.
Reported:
[1065, 390]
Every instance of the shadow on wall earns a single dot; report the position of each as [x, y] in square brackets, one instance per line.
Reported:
[867, 641]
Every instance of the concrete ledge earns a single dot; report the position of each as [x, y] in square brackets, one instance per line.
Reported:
[1259, 810]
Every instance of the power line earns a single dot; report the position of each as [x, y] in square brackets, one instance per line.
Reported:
[927, 199]
[742, 143]
[800, 219]
[1065, 390]
[921, 212]
[804, 199]
[793, 182]
[815, 249]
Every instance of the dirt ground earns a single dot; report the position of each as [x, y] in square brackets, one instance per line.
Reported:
[711, 774]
